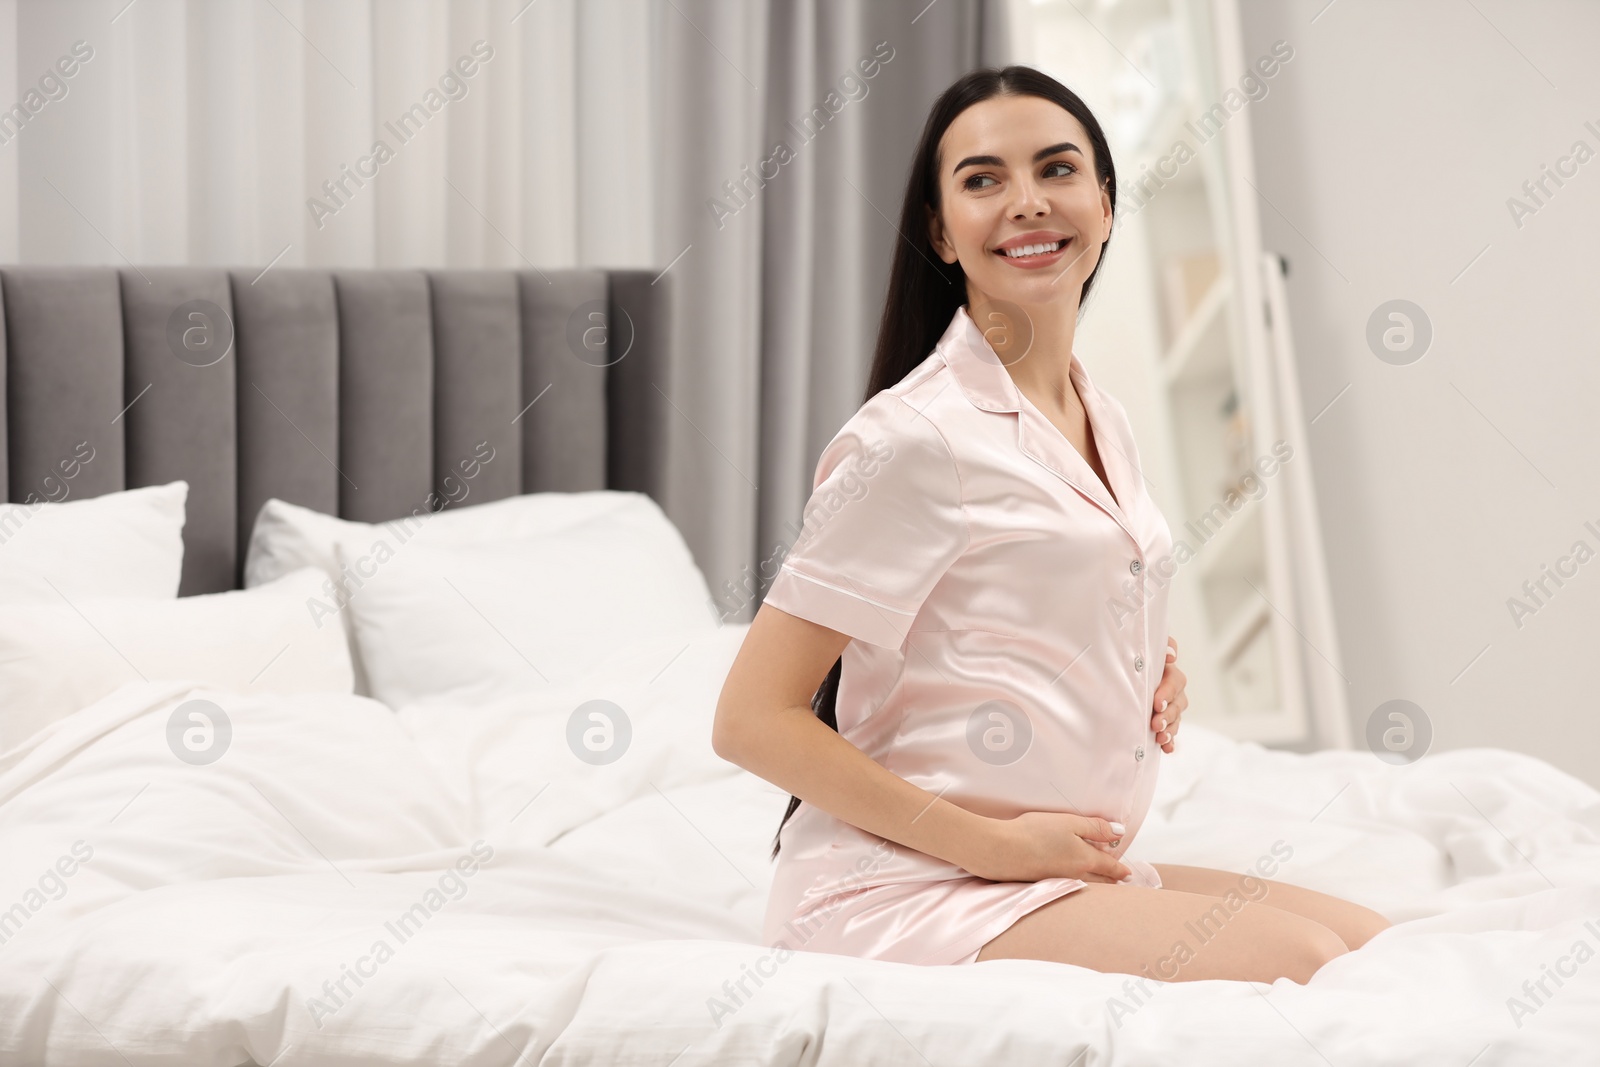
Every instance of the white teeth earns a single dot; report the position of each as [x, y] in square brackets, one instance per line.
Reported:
[1032, 250]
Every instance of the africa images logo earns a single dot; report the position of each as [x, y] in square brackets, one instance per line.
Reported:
[449, 886]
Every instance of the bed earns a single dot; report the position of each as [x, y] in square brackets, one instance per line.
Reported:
[468, 813]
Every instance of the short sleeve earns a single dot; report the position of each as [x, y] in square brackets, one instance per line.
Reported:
[884, 523]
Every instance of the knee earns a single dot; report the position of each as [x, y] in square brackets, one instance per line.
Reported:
[1369, 924]
[1312, 946]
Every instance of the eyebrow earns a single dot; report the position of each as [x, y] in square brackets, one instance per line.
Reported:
[996, 161]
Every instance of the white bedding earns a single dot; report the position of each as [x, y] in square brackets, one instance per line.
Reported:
[612, 910]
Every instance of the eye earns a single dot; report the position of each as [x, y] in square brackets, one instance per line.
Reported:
[1070, 170]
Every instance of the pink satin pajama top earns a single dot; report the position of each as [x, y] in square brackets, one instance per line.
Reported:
[1007, 638]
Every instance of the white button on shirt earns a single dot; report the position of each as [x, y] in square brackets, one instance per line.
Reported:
[983, 571]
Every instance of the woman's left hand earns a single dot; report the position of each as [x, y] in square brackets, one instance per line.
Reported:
[1170, 700]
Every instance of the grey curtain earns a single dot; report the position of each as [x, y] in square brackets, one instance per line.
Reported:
[789, 126]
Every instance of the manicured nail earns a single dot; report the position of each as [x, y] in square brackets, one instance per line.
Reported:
[1117, 829]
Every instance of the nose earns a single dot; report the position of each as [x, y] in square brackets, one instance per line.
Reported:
[1028, 199]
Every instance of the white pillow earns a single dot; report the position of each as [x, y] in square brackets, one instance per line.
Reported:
[56, 658]
[468, 622]
[287, 536]
[123, 544]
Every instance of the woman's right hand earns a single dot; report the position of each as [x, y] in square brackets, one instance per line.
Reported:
[1048, 844]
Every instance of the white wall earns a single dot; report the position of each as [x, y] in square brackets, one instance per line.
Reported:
[1386, 154]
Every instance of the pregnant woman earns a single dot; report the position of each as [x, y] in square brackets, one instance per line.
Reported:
[962, 671]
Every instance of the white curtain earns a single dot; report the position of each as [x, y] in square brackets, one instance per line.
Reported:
[203, 131]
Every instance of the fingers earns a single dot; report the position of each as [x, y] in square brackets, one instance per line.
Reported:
[1166, 726]
[1103, 836]
[1114, 869]
[1166, 721]
[1167, 737]
[1169, 689]
[1105, 863]
[1169, 703]
[1104, 867]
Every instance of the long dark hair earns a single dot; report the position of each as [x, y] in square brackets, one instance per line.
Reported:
[924, 291]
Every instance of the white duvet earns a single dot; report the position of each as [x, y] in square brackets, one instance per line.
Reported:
[451, 885]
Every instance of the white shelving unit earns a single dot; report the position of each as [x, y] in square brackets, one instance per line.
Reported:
[1210, 372]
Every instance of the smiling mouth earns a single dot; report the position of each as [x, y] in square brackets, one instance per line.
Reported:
[1033, 251]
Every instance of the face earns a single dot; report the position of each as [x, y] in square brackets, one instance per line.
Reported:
[1019, 170]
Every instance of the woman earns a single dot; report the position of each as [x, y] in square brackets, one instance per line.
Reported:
[971, 590]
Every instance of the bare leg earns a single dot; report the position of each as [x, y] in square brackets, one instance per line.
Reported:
[1354, 924]
[1169, 936]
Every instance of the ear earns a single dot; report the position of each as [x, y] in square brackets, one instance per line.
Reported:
[936, 237]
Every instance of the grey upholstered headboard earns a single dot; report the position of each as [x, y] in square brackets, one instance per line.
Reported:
[354, 392]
